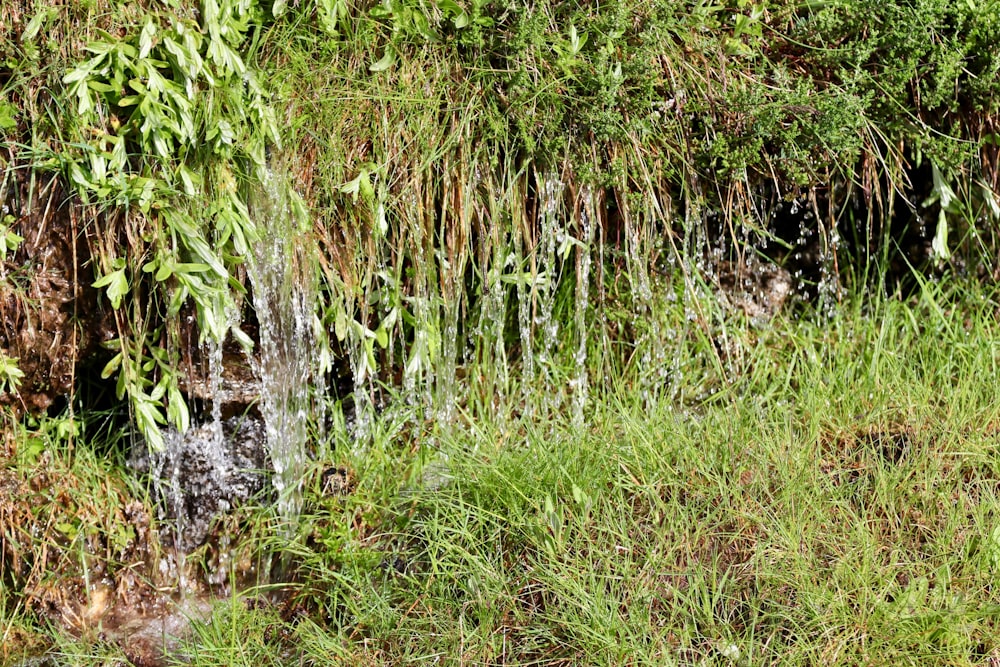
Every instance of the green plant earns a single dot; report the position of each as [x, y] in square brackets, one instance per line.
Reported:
[10, 374]
[170, 121]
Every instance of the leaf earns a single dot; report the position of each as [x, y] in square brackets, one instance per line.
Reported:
[10, 374]
[991, 201]
[574, 40]
[242, 338]
[177, 409]
[112, 366]
[189, 179]
[278, 8]
[117, 286]
[385, 62]
[340, 323]
[148, 418]
[146, 37]
[226, 134]
[35, 24]
[460, 18]
[67, 529]
[7, 116]
[939, 246]
[165, 269]
[423, 26]
[942, 191]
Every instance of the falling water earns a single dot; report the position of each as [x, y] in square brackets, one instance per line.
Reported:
[650, 343]
[546, 282]
[284, 296]
[578, 383]
[193, 470]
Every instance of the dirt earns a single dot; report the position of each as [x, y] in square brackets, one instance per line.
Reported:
[50, 320]
[80, 549]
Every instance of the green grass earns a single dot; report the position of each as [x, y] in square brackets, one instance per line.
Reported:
[836, 505]
[832, 500]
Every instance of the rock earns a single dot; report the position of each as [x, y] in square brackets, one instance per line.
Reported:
[49, 315]
[204, 473]
[758, 289]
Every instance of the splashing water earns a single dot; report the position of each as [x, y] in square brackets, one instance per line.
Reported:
[284, 297]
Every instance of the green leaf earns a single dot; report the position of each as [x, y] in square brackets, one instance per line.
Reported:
[9, 241]
[10, 374]
[177, 409]
[36, 23]
[112, 366]
[242, 338]
[67, 529]
[226, 134]
[148, 418]
[385, 62]
[189, 179]
[340, 323]
[165, 270]
[939, 246]
[7, 116]
[117, 286]
[146, 37]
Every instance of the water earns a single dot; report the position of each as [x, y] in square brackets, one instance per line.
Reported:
[203, 473]
[579, 382]
[216, 464]
[282, 272]
[419, 274]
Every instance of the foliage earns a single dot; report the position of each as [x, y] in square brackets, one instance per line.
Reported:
[433, 121]
[516, 202]
[843, 482]
[169, 122]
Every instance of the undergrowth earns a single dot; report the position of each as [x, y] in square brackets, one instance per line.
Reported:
[520, 218]
[806, 490]
[834, 503]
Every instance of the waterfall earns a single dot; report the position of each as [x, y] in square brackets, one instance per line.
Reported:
[281, 269]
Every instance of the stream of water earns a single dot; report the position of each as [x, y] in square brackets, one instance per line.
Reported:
[529, 292]
[282, 272]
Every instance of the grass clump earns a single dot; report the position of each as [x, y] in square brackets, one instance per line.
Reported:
[77, 540]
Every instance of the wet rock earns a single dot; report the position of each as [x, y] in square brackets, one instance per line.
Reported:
[757, 289]
[231, 383]
[204, 473]
[156, 638]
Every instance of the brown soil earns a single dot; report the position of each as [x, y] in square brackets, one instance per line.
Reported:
[49, 315]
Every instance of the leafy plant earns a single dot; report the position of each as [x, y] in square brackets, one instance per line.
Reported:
[171, 119]
[10, 374]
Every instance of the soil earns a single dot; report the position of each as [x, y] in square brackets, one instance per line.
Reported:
[50, 320]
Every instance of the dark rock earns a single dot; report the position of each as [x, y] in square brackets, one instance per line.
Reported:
[202, 474]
